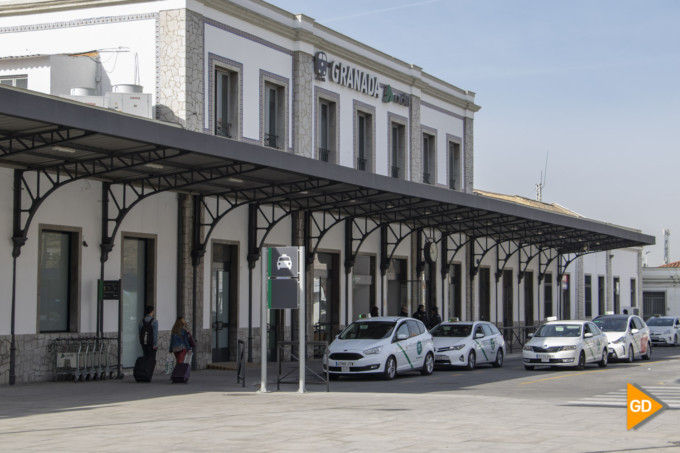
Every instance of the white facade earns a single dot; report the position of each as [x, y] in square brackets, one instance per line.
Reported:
[661, 290]
[250, 71]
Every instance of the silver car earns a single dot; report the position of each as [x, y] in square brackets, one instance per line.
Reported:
[628, 336]
[566, 343]
[467, 344]
[664, 330]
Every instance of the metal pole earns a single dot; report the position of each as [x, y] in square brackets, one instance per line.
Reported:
[263, 319]
[302, 303]
[13, 346]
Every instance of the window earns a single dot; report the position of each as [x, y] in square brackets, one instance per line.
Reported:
[600, 295]
[428, 159]
[589, 295]
[271, 113]
[226, 103]
[548, 300]
[58, 281]
[455, 179]
[617, 295]
[327, 130]
[397, 147]
[364, 145]
[633, 293]
[20, 81]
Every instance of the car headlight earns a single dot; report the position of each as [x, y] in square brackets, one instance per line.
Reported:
[667, 332]
[375, 350]
[528, 348]
[457, 347]
[568, 348]
[619, 340]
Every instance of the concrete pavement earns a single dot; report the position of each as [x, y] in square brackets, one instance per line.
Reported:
[213, 413]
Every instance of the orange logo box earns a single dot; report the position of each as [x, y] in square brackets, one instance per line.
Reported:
[641, 407]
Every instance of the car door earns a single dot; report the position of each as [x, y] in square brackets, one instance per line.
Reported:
[415, 350]
[635, 336]
[590, 344]
[401, 346]
[491, 342]
[643, 333]
[601, 341]
[482, 344]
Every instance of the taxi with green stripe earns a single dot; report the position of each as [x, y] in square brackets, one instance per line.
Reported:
[467, 344]
[566, 344]
[381, 345]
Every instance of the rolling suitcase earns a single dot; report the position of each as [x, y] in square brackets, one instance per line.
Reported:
[182, 371]
[144, 367]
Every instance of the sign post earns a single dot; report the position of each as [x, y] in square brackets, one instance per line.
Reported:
[111, 290]
[282, 288]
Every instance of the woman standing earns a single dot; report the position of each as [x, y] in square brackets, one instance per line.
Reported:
[179, 340]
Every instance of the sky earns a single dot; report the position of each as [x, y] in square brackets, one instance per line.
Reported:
[582, 94]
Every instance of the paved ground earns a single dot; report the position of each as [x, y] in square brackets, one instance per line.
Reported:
[213, 413]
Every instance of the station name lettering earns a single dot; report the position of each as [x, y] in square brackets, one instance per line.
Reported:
[354, 78]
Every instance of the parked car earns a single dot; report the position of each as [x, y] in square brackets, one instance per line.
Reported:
[664, 330]
[566, 344]
[468, 344]
[385, 345]
[628, 336]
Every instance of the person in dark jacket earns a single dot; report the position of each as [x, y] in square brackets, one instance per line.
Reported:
[420, 314]
[179, 340]
[149, 349]
[434, 318]
[404, 312]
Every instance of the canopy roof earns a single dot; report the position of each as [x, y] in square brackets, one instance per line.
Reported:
[73, 140]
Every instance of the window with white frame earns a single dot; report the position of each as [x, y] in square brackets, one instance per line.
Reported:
[327, 130]
[364, 145]
[397, 150]
[274, 119]
[19, 81]
[226, 103]
[428, 159]
[455, 179]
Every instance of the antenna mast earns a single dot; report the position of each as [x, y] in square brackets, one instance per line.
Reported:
[544, 177]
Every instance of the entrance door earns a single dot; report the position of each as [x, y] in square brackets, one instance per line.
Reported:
[485, 294]
[508, 299]
[397, 286]
[529, 298]
[455, 295]
[137, 293]
[222, 302]
[326, 299]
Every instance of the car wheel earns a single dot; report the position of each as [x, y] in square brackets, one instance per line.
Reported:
[428, 365]
[528, 367]
[333, 377]
[649, 352]
[499, 359]
[581, 361]
[603, 363]
[471, 360]
[390, 368]
[630, 354]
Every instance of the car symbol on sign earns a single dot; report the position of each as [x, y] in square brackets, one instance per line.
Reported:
[284, 262]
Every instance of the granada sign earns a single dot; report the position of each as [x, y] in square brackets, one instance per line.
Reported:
[356, 79]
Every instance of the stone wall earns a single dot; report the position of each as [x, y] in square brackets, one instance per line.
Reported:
[303, 105]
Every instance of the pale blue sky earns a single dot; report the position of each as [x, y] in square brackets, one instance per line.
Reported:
[591, 83]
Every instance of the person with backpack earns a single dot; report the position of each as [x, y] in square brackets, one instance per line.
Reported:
[180, 344]
[148, 332]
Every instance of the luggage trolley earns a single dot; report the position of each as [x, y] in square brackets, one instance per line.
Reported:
[67, 358]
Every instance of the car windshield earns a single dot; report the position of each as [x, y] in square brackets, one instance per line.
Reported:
[559, 330]
[660, 322]
[448, 330]
[368, 330]
[611, 324]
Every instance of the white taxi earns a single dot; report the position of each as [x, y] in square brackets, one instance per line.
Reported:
[664, 330]
[468, 344]
[628, 336]
[566, 343]
[386, 345]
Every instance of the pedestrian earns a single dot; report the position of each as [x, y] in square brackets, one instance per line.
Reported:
[374, 311]
[179, 340]
[404, 311]
[434, 318]
[148, 332]
[421, 314]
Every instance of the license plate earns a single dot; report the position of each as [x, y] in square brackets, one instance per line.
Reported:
[545, 358]
[344, 369]
[344, 364]
[441, 357]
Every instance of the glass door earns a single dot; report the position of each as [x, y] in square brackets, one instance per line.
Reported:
[220, 312]
[134, 297]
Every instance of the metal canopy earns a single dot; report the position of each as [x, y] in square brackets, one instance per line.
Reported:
[70, 140]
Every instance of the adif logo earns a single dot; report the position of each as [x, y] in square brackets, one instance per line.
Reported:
[641, 407]
[320, 65]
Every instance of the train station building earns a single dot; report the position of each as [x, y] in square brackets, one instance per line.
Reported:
[165, 143]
